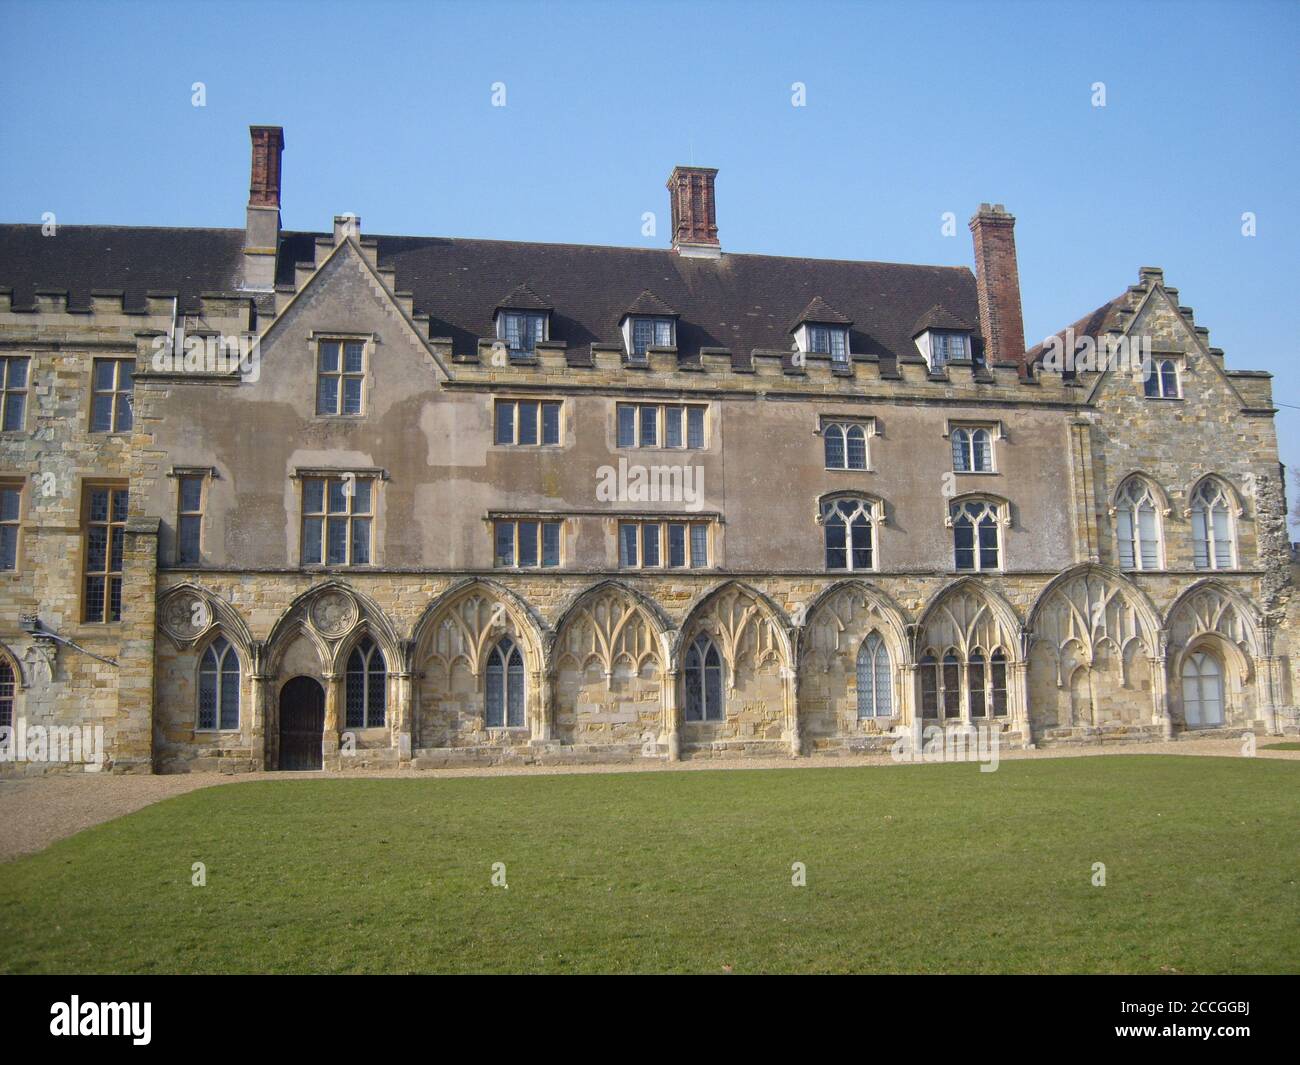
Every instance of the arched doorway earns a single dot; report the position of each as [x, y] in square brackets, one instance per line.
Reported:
[302, 723]
[1202, 691]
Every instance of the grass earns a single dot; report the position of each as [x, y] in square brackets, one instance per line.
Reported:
[935, 868]
[1284, 746]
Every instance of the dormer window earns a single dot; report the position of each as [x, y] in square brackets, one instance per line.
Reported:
[523, 322]
[650, 333]
[941, 337]
[946, 346]
[648, 323]
[822, 330]
[521, 331]
[832, 340]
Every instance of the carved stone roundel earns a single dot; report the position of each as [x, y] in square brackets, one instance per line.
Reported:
[333, 613]
[186, 616]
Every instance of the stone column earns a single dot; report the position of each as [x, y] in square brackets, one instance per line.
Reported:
[543, 718]
[259, 684]
[1160, 697]
[672, 715]
[792, 712]
[405, 715]
[333, 715]
[1018, 696]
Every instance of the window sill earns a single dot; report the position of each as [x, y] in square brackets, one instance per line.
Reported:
[976, 473]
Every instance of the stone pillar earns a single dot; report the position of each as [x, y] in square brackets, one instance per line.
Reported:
[1160, 714]
[333, 715]
[405, 715]
[792, 712]
[909, 707]
[1018, 696]
[543, 718]
[259, 683]
[672, 715]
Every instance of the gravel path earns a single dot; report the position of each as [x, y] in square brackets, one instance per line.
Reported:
[36, 811]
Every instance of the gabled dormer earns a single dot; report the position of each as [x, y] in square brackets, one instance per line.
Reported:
[648, 323]
[523, 320]
[822, 330]
[941, 337]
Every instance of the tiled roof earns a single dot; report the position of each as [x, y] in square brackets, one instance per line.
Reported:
[738, 302]
[649, 304]
[819, 311]
[939, 317]
[1093, 324]
[523, 298]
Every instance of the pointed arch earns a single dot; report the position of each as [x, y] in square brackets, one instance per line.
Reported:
[1235, 497]
[1212, 606]
[1078, 606]
[966, 614]
[1157, 490]
[16, 664]
[176, 612]
[466, 620]
[740, 619]
[330, 615]
[854, 594]
[612, 622]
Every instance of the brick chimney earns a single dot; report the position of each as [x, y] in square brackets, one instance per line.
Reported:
[262, 229]
[695, 218]
[997, 281]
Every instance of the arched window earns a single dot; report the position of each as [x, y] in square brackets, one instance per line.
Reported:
[848, 525]
[975, 535]
[219, 686]
[1202, 690]
[1212, 534]
[986, 683]
[875, 681]
[972, 451]
[367, 686]
[1137, 525]
[1161, 380]
[846, 447]
[505, 686]
[704, 681]
[6, 694]
[833, 435]
[950, 689]
[929, 670]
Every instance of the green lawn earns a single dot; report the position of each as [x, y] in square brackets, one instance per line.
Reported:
[927, 868]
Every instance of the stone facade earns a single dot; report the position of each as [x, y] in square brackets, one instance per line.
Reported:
[1087, 649]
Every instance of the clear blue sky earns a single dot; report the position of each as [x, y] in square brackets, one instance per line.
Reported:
[913, 110]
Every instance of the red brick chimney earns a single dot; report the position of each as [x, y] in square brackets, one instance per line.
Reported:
[997, 281]
[695, 218]
[264, 187]
[262, 226]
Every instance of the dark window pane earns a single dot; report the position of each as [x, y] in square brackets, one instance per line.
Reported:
[550, 423]
[313, 496]
[626, 425]
[627, 545]
[188, 538]
[695, 427]
[191, 493]
[699, 546]
[649, 426]
[352, 356]
[677, 545]
[10, 500]
[329, 356]
[528, 543]
[124, 407]
[8, 547]
[505, 423]
[337, 532]
[15, 405]
[101, 414]
[327, 395]
[311, 541]
[361, 541]
[505, 543]
[551, 543]
[650, 545]
[673, 426]
[352, 395]
[528, 422]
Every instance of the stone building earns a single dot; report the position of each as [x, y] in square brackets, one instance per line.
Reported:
[276, 500]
